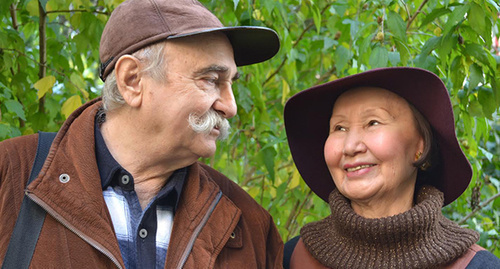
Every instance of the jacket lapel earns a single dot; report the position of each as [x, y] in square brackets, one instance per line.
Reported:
[78, 203]
[198, 196]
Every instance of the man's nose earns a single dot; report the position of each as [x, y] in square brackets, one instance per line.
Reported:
[226, 104]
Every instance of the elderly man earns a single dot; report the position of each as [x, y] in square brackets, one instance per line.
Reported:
[121, 185]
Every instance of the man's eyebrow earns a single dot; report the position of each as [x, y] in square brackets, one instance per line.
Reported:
[218, 69]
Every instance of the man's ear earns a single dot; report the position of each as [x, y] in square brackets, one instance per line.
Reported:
[128, 79]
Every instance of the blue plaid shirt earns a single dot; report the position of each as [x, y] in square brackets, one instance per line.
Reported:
[143, 235]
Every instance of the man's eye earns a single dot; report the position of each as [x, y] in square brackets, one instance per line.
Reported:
[211, 80]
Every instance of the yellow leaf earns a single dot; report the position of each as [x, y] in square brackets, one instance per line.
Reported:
[272, 192]
[32, 8]
[28, 131]
[70, 105]
[44, 85]
[286, 91]
[295, 179]
[254, 192]
[256, 14]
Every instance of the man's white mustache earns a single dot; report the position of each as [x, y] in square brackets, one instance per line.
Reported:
[208, 121]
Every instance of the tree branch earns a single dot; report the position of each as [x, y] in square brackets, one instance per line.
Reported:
[42, 42]
[295, 212]
[77, 10]
[410, 21]
[480, 206]
[13, 15]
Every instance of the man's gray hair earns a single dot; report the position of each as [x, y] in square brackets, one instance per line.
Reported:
[154, 65]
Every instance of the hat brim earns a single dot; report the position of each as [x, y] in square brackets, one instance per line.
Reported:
[251, 44]
[307, 115]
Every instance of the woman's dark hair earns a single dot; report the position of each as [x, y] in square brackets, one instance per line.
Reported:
[429, 159]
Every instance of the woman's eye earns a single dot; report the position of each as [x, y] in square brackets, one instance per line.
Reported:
[373, 123]
[339, 128]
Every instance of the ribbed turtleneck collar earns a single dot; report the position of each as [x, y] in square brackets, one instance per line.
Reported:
[418, 238]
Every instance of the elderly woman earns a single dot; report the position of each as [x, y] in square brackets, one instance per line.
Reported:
[380, 147]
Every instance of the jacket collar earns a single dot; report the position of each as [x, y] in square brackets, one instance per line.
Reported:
[80, 206]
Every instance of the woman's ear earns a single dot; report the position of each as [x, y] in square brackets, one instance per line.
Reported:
[421, 144]
[128, 79]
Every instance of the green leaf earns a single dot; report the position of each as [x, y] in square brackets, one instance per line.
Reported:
[43, 3]
[44, 85]
[430, 45]
[32, 8]
[477, 51]
[379, 57]
[4, 5]
[486, 153]
[7, 131]
[436, 13]
[285, 92]
[487, 100]
[70, 105]
[475, 109]
[77, 80]
[316, 17]
[341, 57]
[39, 121]
[15, 107]
[494, 4]
[476, 76]
[457, 15]
[458, 76]
[477, 19]
[244, 97]
[267, 155]
[236, 2]
[394, 58]
[402, 54]
[496, 203]
[76, 19]
[7, 62]
[397, 26]
[447, 43]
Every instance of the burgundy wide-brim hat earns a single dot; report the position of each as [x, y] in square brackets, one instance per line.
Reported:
[135, 24]
[307, 119]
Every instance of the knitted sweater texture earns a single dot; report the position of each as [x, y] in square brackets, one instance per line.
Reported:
[419, 238]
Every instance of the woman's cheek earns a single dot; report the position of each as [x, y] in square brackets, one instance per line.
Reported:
[332, 152]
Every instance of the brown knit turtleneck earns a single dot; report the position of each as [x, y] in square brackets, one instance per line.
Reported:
[419, 238]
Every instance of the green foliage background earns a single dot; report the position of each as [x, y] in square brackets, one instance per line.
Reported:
[49, 59]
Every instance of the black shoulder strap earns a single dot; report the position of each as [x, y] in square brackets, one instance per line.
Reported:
[30, 220]
[288, 250]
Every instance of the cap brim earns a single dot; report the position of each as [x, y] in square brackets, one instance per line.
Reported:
[307, 116]
[251, 44]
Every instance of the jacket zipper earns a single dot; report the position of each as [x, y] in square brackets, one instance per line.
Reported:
[197, 230]
[70, 227]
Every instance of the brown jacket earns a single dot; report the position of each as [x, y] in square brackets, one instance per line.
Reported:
[78, 233]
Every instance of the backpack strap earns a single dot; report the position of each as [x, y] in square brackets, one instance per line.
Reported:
[31, 216]
[288, 251]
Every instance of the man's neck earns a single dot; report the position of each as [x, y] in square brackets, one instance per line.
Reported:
[139, 156]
